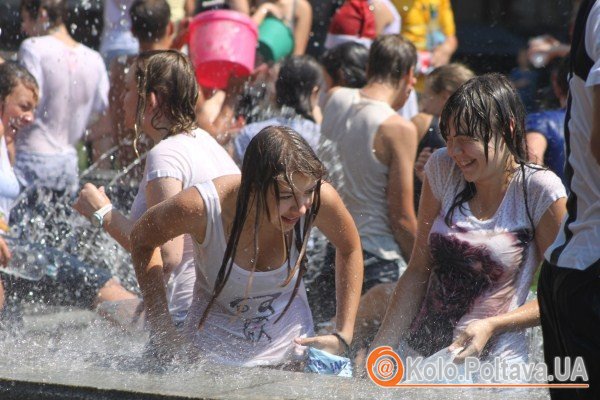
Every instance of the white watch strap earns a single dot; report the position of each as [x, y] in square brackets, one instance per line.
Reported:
[102, 212]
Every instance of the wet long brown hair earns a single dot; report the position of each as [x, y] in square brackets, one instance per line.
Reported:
[274, 155]
[170, 76]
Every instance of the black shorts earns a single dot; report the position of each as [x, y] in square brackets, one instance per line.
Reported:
[570, 314]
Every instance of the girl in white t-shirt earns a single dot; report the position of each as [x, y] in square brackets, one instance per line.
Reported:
[250, 235]
[182, 156]
[485, 219]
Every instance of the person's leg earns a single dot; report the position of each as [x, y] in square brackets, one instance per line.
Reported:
[570, 312]
[112, 291]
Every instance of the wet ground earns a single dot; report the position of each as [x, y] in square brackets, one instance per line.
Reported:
[60, 354]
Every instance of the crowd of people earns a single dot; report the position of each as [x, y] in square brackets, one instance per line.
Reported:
[379, 196]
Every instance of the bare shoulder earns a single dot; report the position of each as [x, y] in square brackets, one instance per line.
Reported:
[397, 128]
[422, 122]
[227, 188]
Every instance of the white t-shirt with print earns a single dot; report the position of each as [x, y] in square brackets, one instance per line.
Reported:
[480, 268]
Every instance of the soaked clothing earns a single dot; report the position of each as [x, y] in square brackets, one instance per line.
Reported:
[73, 89]
[551, 124]
[9, 185]
[241, 330]
[480, 268]
[190, 159]
[352, 121]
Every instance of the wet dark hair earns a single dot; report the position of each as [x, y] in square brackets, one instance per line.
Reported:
[390, 58]
[149, 19]
[13, 74]
[298, 76]
[347, 64]
[273, 156]
[489, 109]
[56, 10]
[170, 75]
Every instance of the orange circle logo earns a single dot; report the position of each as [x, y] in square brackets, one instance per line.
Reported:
[385, 367]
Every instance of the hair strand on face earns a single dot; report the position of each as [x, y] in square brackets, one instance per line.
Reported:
[276, 152]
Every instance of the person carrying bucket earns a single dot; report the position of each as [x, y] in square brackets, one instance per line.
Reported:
[284, 27]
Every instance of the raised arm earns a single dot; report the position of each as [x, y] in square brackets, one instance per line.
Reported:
[410, 289]
[303, 23]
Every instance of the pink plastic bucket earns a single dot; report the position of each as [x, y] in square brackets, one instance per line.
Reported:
[222, 43]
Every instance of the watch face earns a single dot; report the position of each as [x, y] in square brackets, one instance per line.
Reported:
[96, 220]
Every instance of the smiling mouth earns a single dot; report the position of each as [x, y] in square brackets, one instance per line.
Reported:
[290, 221]
[465, 164]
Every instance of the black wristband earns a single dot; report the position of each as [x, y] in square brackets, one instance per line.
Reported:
[343, 341]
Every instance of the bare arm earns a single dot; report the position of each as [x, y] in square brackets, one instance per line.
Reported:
[536, 147]
[337, 224]
[595, 140]
[477, 333]
[302, 26]
[396, 146]
[157, 191]
[383, 16]
[441, 55]
[411, 287]
[183, 213]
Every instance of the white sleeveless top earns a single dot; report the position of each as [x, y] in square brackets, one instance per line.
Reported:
[241, 330]
[351, 122]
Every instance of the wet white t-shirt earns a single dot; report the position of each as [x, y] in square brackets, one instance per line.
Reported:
[73, 88]
[191, 159]
[240, 329]
[9, 185]
[480, 268]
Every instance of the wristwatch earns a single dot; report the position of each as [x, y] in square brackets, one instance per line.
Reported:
[97, 218]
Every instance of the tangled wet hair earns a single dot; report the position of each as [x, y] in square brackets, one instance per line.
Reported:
[13, 74]
[489, 109]
[273, 156]
[346, 63]
[55, 9]
[170, 76]
[298, 76]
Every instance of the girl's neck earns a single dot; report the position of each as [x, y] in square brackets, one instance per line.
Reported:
[490, 192]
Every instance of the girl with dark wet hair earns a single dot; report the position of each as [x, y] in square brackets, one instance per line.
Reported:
[250, 236]
[485, 219]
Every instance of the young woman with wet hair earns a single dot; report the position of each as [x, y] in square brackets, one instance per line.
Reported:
[296, 97]
[346, 65]
[250, 235]
[159, 100]
[485, 219]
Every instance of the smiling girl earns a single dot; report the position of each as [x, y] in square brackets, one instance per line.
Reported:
[250, 238]
[486, 217]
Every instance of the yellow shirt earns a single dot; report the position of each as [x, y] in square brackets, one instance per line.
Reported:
[419, 17]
